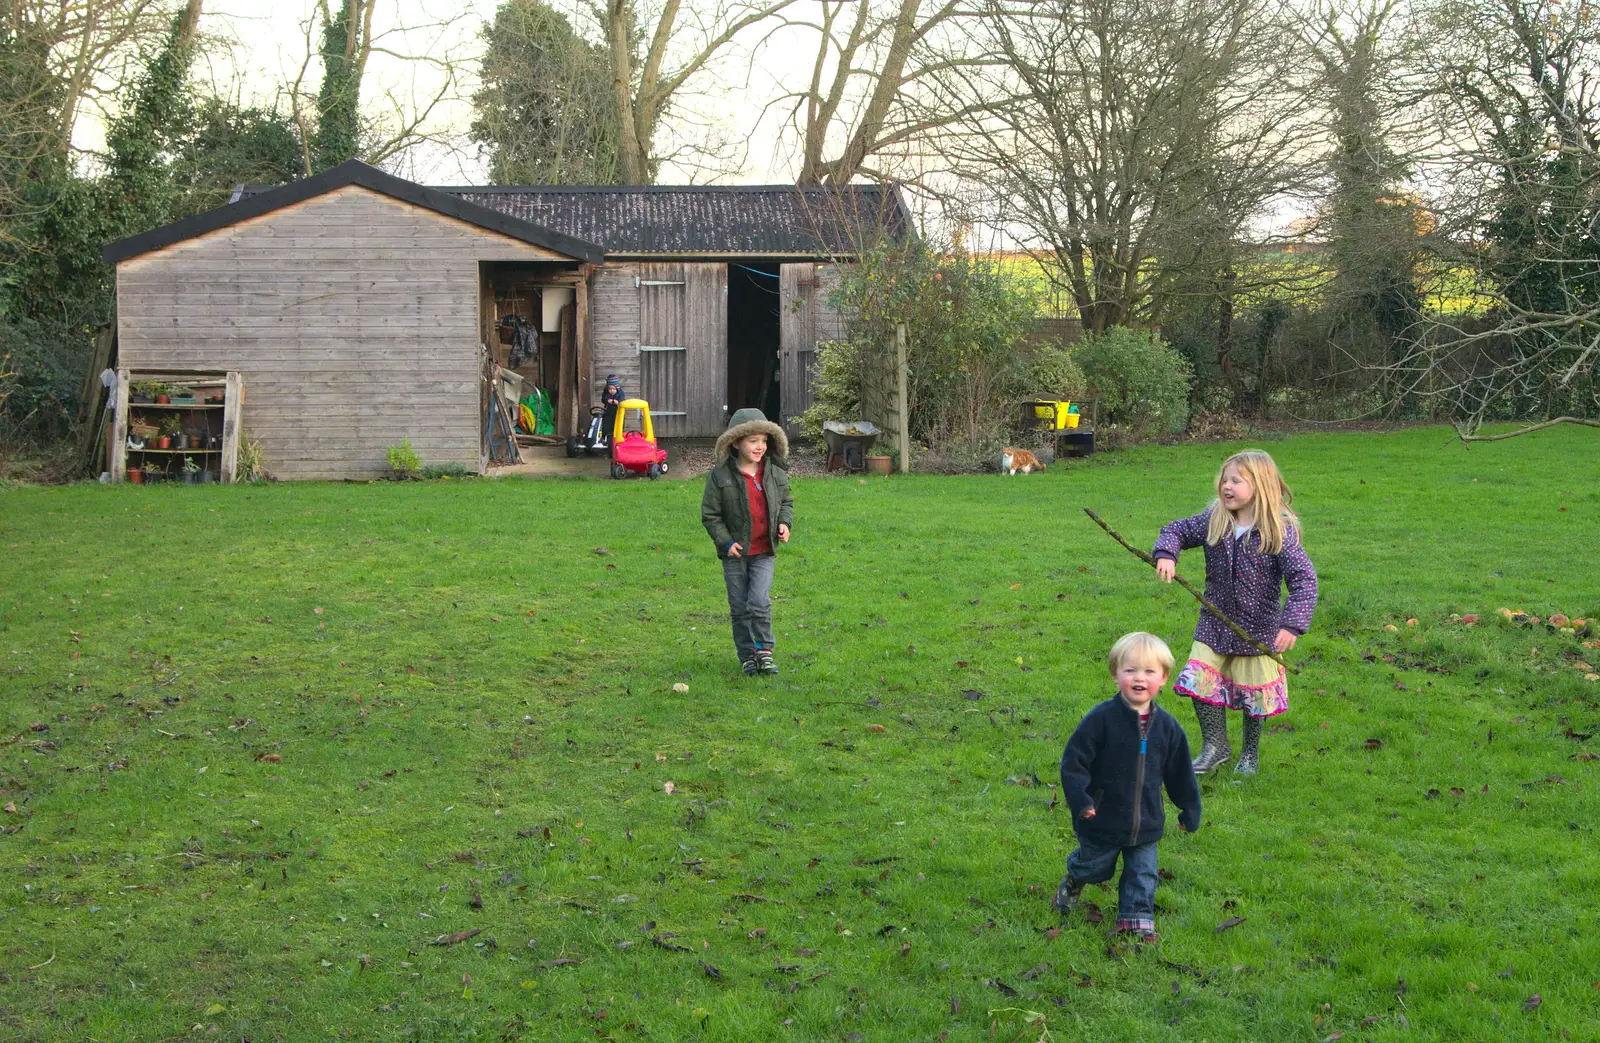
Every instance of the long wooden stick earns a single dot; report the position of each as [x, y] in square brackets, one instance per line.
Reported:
[1198, 596]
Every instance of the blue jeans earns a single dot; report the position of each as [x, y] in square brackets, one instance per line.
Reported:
[749, 582]
[1091, 863]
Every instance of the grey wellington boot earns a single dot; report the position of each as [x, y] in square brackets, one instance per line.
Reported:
[1250, 754]
[1214, 748]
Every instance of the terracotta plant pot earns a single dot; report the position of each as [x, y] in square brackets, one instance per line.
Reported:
[162, 400]
[135, 476]
[164, 442]
[880, 465]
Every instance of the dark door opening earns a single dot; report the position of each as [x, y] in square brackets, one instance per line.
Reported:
[753, 337]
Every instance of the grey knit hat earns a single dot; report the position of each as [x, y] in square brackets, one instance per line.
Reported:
[752, 421]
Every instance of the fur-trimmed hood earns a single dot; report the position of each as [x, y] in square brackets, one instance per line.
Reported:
[747, 422]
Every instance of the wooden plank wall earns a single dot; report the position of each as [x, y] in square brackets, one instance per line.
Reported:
[688, 309]
[614, 328]
[353, 319]
[806, 318]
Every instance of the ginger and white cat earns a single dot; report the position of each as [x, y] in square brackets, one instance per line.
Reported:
[1014, 460]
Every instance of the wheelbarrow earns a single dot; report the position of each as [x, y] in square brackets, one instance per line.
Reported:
[849, 441]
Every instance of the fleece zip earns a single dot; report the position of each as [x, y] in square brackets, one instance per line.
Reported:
[1109, 766]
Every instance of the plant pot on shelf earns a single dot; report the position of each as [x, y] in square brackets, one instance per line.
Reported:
[164, 442]
[162, 400]
[140, 399]
[880, 465]
[136, 475]
[180, 441]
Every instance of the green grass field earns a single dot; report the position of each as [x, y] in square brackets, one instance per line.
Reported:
[265, 747]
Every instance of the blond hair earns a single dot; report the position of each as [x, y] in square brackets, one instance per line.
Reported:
[1273, 518]
[1139, 645]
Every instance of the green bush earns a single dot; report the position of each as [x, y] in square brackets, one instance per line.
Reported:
[1052, 372]
[1141, 380]
[448, 471]
[836, 389]
[965, 321]
[404, 461]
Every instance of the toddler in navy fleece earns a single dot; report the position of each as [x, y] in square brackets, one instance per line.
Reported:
[1122, 753]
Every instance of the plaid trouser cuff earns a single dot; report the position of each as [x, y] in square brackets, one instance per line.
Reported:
[1140, 925]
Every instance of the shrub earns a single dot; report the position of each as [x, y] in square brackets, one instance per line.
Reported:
[1141, 380]
[965, 321]
[404, 461]
[836, 389]
[448, 471]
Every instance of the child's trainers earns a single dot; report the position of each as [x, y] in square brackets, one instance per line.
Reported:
[1066, 898]
[764, 662]
[749, 667]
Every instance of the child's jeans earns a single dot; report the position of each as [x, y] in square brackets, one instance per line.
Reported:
[1136, 891]
[749, 582]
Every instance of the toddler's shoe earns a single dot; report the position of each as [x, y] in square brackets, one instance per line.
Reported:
[1066, 898]
[749, 667]
[1143, 935]
[764, 662]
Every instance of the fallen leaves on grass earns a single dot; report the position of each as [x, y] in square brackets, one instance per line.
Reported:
[271, 758]
[680, 688]
[456, 938]
[972, 693]
[1373, 744]
[560, 961]
[1531, 1004]
[878, 728]
[711, 972]
[1232, 921]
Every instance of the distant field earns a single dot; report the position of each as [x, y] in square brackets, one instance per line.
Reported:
[1295, 278]
[389, 762]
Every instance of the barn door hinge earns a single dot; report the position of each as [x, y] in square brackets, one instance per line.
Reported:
[638, 282]
[642, 348]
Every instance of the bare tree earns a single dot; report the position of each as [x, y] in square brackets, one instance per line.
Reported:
[354, 112]
[1518, 90]
[1113, 126]
[868, 94]
[655, 51]
[56, 58]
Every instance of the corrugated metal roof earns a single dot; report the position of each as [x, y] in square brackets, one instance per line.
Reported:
[765, 220]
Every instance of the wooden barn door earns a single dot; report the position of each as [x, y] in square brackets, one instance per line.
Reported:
[806, 317]
[683, 347]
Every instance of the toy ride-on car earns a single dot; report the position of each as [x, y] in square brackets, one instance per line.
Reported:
[636, 452]
[593, 438]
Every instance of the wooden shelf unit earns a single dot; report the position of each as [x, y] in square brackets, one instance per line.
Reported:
[227, 457]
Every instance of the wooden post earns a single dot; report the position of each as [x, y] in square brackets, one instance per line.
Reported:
[585, 360]
[119, 430]
[901, 377]
[232, 426]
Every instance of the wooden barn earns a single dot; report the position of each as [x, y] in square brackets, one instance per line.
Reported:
[355, 309]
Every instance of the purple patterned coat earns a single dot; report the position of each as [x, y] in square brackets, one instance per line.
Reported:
[1245, 583]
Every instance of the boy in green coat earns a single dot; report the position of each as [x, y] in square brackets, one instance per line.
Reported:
[747, 510]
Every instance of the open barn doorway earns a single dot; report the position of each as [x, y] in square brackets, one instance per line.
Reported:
[753, 337]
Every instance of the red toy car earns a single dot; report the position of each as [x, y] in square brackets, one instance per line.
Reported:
[636, 452]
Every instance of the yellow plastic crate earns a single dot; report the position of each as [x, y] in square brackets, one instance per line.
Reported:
[1058, 415]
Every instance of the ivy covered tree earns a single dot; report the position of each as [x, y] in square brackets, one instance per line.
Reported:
[346, 43]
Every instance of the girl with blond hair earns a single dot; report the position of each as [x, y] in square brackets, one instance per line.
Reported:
[1253, 551]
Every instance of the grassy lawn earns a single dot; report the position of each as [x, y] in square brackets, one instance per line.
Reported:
[267, 746]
